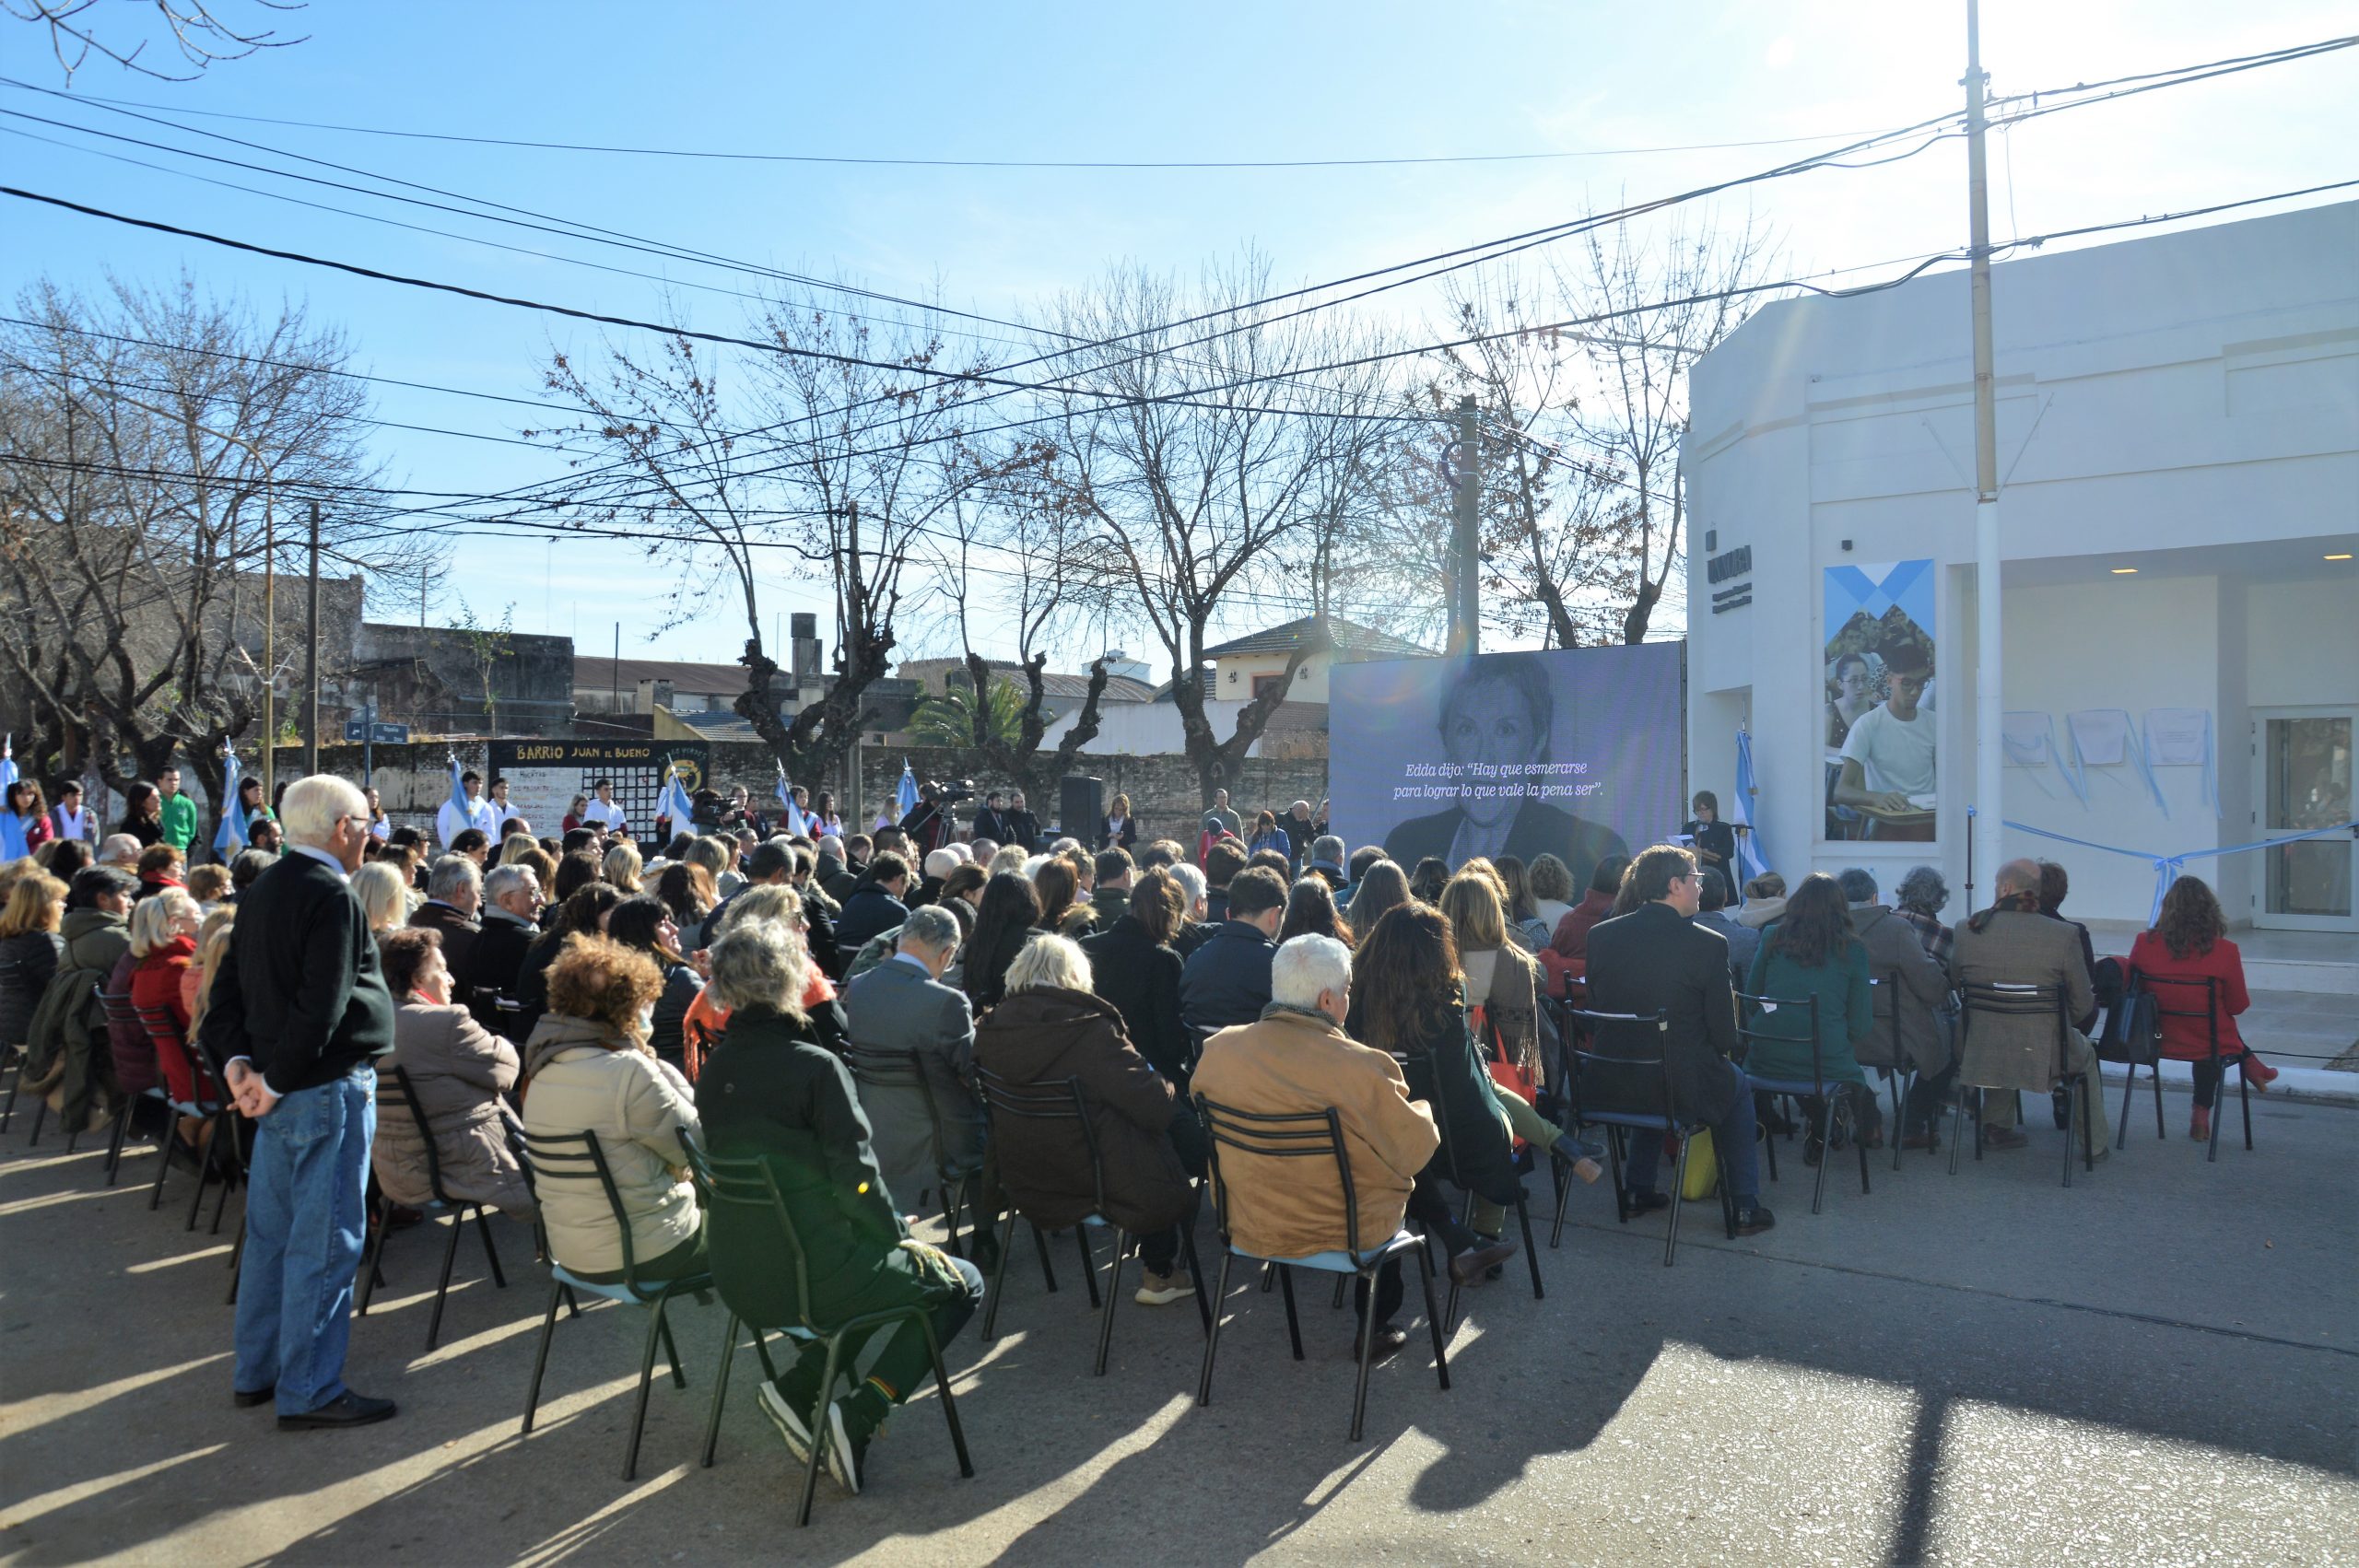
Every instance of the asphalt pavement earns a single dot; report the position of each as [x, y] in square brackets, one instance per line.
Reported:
[2158, 1365]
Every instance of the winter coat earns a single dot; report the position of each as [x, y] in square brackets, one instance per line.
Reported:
[1443, 1069]
[2190, 1038]
[156, 987]
[1781, 1046]
[26, 962]
[769, 1092]
[867, 912]
[129, 1048]
[66, 1041]
[897, 1008]
[458, 1071]
[1505, 984]
[459, 932]
[1290, 1063]
[493, 965]
[1227, 981]
[583, 1080]
[1038, 1039]
[1909, 982]
[2017, 947]
[1142, 980]
[681, 989]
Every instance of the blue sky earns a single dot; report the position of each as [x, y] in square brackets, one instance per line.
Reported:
[1205, 82]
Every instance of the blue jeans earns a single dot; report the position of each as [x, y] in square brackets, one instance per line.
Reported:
[1732, 1143]
[306, 1216]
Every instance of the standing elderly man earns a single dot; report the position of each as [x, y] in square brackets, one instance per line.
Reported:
[1294, 1061]
[1911, 999]
[2012, 944]
[1656, 959]
[300, 1011]
[900, 1009]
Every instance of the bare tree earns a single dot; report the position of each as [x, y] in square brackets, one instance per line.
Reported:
[197, 34]
[155, 442]
[1209, 471]
[486, 646]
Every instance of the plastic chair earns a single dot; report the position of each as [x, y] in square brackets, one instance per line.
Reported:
[1010, 1106]
[404, 1097]
[1832, 1097]
[752, 1184]
[1996, 1000]
[1305, 1135]
[904, 1072]
[2210, 1013]
[1630, 1072]
[576, 1157]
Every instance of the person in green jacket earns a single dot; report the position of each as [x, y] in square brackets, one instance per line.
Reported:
[770, 1092]
[180, 812]
[1810, 952]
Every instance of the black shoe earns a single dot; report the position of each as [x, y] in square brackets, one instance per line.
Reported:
[1388, 1338]
[246, 1400]
[1754, 1221]
[1638, 1204]
[1812, 1150]
[982, 1251]
[1477, 1260]
[2061, 1101]
[347, 1409]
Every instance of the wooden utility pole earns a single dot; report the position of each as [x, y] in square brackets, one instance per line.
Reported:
[1988, 624]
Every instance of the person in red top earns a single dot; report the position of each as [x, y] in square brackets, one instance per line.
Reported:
[163, 940]
[1565, 959]
[2191, 943]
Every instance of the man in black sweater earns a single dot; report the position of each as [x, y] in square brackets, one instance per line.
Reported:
[300, 1011]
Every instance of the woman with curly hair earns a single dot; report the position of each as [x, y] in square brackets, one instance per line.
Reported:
[588, 1069]
[2191, 943]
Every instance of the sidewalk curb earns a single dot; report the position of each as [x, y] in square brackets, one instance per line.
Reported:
[2301, 1085]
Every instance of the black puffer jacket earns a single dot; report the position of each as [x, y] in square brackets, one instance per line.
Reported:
[26, 962]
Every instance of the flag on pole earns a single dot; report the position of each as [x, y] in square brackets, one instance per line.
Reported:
[230, 836]
[674, 801]
[1752, 859]
[459, 802]
[905, 796]
[12, 831]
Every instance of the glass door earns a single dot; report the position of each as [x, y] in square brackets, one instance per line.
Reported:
[2304, 783]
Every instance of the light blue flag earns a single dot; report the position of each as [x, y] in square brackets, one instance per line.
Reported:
[1752, 857]
[459, 791]
[674, 802]
[230, 836]
[906, 795]
[793, 820]
[12, 831]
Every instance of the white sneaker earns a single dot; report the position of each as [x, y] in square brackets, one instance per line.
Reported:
[1162, 1290]
[788, 1421]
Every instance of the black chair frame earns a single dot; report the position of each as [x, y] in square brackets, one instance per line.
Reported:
[1063, 1099]
[1449, 1155]
[1587, 1023]
[577, 1156]
[458, 1209]
[1305, 1135]
[2014, 1000]
[1834, 1099]
[2218, 1061]
[874, 1068]
[752, 1184]
[2114, 1042]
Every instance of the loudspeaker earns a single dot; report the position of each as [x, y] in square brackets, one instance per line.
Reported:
[1081, 805]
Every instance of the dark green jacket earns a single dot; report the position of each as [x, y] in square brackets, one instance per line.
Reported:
[769, 1092]
[1845, 1013]
[1444, 1070]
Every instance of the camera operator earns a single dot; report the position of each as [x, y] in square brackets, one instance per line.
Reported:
[927, 826]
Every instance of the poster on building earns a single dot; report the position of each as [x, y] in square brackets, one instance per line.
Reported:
[1576, 752]
[1879, 719]
[546, 777]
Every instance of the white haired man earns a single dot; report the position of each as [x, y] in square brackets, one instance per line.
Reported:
[1297, 1060]
[300, 1011]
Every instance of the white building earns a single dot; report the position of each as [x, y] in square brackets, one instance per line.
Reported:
[2178, 447]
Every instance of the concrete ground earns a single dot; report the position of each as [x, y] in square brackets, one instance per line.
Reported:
[2160, 1364]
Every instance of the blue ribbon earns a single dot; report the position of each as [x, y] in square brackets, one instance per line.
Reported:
[2169, 868]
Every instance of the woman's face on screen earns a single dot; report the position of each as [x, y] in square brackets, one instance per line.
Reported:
[1489, 731]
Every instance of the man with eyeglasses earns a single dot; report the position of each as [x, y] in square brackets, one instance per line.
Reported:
[1656, 959]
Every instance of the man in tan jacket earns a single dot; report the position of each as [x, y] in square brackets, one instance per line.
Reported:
[1296, 1059]
[2012, 944]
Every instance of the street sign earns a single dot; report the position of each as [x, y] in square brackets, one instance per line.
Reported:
[376, 734]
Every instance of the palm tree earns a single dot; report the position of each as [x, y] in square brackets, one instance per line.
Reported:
[949, 720]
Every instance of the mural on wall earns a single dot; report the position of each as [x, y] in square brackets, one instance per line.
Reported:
[1879, 717]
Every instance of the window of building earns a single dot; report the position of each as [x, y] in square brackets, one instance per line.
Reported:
[1262, 684]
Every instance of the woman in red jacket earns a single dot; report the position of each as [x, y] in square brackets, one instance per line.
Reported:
[163, 939]
[2191, 943]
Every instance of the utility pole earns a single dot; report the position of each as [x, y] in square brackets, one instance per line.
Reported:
[311, 656]
[269, 644]
[1466, 539]
[619, 667]
[1989, 634]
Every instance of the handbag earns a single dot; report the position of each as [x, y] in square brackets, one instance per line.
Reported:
[1703, 1167]
[1504, 1070]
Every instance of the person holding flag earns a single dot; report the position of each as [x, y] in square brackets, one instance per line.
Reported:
[230, 836]
[466, 808]
[673, 806]
[791, 820]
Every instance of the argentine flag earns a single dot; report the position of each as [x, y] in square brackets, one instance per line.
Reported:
[792, 819]
[1752, 859]
[12, 833]
[459, 802]
[904, 796]
[230, 836]
[674, 801]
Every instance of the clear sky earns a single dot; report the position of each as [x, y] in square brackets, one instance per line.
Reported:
[1204, 82]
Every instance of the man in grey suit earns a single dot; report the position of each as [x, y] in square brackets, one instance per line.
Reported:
[900, 1008]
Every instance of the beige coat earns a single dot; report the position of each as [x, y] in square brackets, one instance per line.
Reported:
[458, 1071]
[580, 1081]
[2016, 948]
[1291, 1062]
